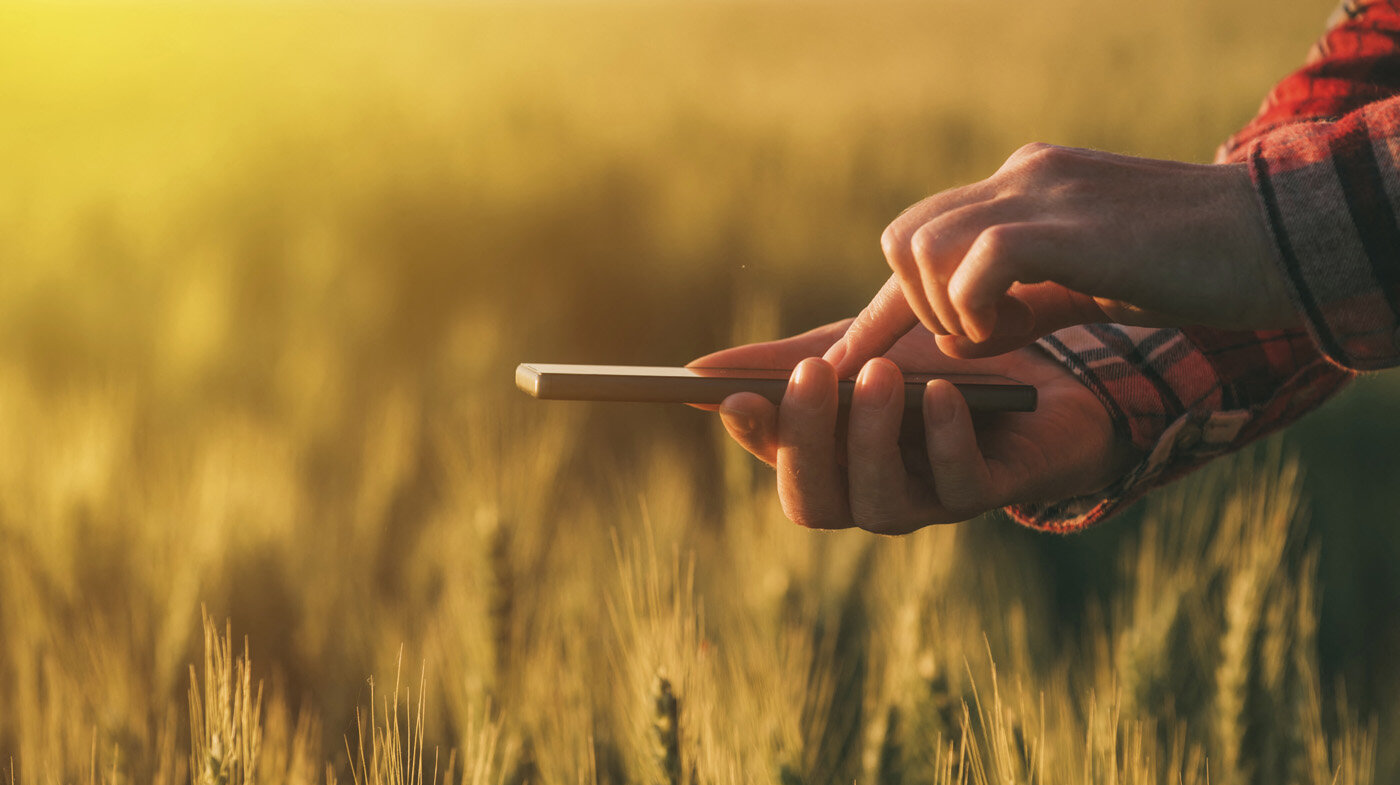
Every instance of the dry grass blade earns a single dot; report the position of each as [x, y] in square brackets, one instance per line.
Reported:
[392, 753]
[225, 714]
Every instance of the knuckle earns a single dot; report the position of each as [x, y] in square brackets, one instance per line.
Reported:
[1037, 157]
[997, 242]
[930, 246]
[1032, 149]
[894, 244]
[925, 240]
[965, 291]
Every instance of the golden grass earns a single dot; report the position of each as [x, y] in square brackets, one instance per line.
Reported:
[814, 659]
[268, 267]
[895, 672]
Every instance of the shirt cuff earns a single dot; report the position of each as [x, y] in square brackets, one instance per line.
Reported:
[1148, 379]
[1181, 397]
[1329, 191]
[1183, 446]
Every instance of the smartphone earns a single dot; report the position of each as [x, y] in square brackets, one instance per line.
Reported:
[641, 383]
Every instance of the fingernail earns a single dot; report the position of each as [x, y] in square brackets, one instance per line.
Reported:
[836, 353]
[939, 410]
[738, 421]
[877, 388]
[807, 389]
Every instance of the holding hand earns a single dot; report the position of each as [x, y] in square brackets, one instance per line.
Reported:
[1065, 448]
[1061, 236]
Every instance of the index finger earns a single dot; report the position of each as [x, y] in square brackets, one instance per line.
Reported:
[784, 353]
[877, 328]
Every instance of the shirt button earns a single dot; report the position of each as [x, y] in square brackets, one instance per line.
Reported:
[1189, 436]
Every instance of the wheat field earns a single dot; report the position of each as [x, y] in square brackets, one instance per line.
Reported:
[271, 511]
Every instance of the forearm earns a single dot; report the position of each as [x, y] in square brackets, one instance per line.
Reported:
[1323, 154]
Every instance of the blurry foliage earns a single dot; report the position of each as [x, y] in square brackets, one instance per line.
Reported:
[267, 271]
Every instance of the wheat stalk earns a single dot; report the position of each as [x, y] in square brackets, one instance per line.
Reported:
[666, 730]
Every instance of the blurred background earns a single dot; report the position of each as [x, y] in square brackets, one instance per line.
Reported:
[267, 268]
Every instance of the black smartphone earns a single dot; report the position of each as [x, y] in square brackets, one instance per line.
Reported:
[642, 383]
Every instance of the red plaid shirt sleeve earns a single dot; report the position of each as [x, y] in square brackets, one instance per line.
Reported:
[1324, 152]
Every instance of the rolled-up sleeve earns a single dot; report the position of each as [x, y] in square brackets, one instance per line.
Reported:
[1329, 191]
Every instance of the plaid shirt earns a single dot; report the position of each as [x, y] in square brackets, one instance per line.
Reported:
[1324, 152]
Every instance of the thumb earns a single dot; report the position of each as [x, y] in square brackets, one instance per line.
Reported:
[880, 324]
[1025, 314]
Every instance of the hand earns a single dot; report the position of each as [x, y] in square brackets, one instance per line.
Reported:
[1065, 448]
[1060, 236]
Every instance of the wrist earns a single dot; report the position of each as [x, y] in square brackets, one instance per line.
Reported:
[1104, 448]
